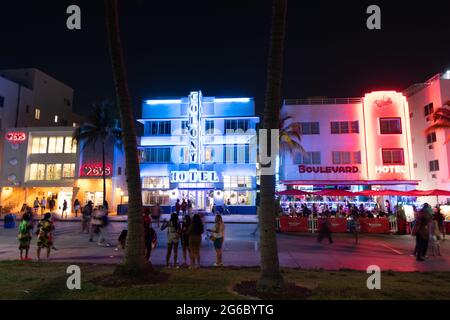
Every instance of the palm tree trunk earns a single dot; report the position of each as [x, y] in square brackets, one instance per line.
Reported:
[270, 277]
[134, 260]
[104, 172]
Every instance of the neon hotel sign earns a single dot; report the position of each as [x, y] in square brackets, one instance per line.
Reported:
[348, 169]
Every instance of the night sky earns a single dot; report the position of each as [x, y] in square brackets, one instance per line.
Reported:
[220, 47]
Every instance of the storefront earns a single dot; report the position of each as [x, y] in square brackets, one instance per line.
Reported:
[202, 149]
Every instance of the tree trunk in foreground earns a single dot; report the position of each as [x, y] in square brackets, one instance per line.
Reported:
[134, 260]
[270, 278]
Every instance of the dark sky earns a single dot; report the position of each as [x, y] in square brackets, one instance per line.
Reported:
[220, 47]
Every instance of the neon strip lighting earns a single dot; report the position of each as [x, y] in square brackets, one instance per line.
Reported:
[232, 100]
[153, 102]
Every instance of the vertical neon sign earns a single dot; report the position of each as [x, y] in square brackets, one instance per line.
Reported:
[194, 128]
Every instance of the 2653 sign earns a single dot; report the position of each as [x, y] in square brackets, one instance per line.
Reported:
[95, 170]
[16, 137]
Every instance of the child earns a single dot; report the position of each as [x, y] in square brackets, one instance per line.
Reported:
[24, 236]
[435, 237]
[122, 240]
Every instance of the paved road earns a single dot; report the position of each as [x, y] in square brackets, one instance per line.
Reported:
[241, 249]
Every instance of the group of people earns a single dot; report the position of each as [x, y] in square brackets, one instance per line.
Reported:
[189, 232]
[44, 233]
[94, 221]
[184, 207]
[429, 231]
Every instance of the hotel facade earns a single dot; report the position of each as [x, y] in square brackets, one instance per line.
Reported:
[200, 148]
[353, 143]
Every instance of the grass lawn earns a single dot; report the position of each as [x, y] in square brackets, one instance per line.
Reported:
[33, 280]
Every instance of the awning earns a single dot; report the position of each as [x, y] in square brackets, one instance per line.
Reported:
[349, 182]
[293, 192]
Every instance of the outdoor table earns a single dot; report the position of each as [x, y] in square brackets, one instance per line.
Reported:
[293, 224]
[337, 225]
[374, 225]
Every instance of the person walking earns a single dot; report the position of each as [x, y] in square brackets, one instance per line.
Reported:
[96, 221]
[173, 237]
[24, 236]
[43, 205]
[195, 232]
[184, 207]
[86, 215]
[185, 239]
[440, 221]
[189, 207]
[76, 207]
[325, 230]
[178, 206]
[218, 236]
[36, 205]
[44, 232]
[64, 208]
[51, 204]
[103, 239]
[421, 232]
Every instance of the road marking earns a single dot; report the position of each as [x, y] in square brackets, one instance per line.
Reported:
[396, 251]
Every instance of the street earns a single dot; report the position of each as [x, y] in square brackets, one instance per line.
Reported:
[389, 252]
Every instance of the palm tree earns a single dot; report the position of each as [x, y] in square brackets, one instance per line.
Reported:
[134, 261]
[100, 128]
[270, 278]
[441, 120]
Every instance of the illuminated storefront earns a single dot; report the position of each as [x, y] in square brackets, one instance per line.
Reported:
[352, 143]
[202, 149]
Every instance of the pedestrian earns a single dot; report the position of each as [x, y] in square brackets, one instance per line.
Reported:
[156, 213]
[64, 208]
[178, 206]
[173, 237]
[218, 236]
[184, 207]
[44, 232]
[440, 221]
[421, 232]
[51, 204]
[86, 215]
[43, 205]
[189, 206]
[325, 230]
[185, 239]
[96, 222]
[195, 232]
[435, 237]
[105, 205]
[24, 236]
[76, 207]
[36, 205]
[149, 238]
[101, 216]
[121, 241]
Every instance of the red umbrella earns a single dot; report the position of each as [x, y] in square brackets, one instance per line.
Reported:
[385, 192]
[334, 193]
[438, 192]
[417, 193]
[292, 192]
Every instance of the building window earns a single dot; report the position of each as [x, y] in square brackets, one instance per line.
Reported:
[56, 118]
[55, 144]
[209, 154]
[434, 165]
[230, 182]
[37, 114]
[70, 145]
[2, 101]
[209, 126]
[431, 137]
[231, 126]
[307, 158]
[236, 153]
[68, 170]
[346, 157]
[392, 156]
[428, 109]
[53, 172]
[155, 197]
[39, 145]
[155, 155]
[390, 126]
[155, 183]
[158, 128]
[340, 127]
[184, 127]
[309, 128]
[37, 171]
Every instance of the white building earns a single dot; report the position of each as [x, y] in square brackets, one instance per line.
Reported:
[351, 142]
[431, 156]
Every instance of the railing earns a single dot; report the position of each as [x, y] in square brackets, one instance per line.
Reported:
[322, 101]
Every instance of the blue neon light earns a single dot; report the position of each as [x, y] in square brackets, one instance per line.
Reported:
[219, 100]
[167, 101]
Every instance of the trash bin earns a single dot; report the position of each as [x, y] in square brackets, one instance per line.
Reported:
[10, 221]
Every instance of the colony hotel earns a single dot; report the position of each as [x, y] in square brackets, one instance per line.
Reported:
[202, 149]
[355, 143]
